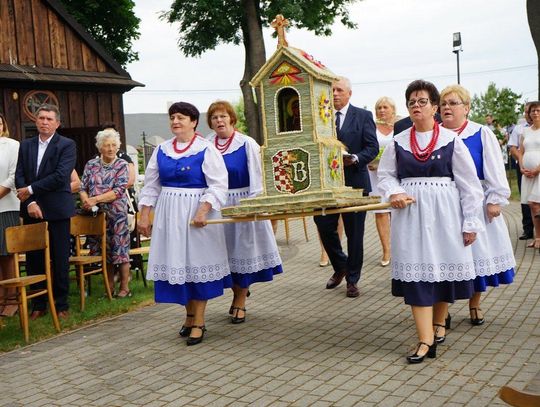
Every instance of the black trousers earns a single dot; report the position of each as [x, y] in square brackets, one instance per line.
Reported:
[59, 250]
[526, 217]
[353, 223]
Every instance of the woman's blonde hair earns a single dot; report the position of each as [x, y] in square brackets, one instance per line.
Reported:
[460, 91]
[106, 134]
[390, 102]
[5, 130]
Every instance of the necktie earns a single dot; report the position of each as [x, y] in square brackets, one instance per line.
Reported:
[338, 121]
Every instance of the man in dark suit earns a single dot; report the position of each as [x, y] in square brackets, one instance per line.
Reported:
[42, 179]
[356, 129]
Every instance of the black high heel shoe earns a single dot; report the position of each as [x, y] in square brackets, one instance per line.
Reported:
[439, 339]
[431, 353]
[195, 340]
[475, 320]
[447, 322]
[235, 319]
[185, 330]
[231, 309]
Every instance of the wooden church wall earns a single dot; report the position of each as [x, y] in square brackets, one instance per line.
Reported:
[42, 39]
[78, 109]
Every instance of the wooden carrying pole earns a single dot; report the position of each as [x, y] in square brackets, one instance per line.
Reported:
[361, 208]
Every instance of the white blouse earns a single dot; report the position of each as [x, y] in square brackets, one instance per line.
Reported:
[9, 152]
[213, 168]
[496, 188]
[463, 169]
[253, 152]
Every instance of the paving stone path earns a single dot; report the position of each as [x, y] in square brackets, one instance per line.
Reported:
[302, 345]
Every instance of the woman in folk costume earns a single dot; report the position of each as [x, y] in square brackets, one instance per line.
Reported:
[253, 252]
[493, 253]
[432, 261]
[185, 181]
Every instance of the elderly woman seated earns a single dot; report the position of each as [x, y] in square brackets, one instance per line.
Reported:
[104, 183]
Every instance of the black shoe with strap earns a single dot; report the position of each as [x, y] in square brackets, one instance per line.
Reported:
[448, 322]
[231, 309]
[431, 353]
[439, 339]
[185, 331]
[235, 319]
[194, 340]
[475, 320]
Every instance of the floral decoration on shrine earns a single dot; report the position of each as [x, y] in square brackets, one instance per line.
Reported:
[310, 58]
[325, 109]
[333, 164]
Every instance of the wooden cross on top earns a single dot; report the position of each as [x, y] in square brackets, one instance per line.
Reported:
[279, 25]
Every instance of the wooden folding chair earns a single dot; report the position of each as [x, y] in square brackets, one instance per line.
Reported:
[138, 252]
[519, 398]
[22, 239]
[89, 226]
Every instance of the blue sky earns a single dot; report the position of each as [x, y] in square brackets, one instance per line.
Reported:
[396, 42]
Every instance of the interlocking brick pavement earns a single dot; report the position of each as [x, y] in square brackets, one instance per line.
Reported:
[302, 345]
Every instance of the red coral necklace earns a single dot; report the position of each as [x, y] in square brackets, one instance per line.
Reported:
[183, 150]
[224, 147]
[422, 154]
[460, 129]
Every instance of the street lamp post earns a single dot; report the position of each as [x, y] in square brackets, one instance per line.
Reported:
[457, 49]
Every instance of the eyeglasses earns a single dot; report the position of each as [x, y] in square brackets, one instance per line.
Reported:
[451, 103]
[421, 102]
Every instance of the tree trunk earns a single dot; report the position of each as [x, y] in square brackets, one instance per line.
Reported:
[533, 15]
[255, 59]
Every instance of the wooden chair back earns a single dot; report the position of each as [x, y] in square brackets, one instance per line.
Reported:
[26, 238]
[19, 240]
[88, 225]
[82, 225]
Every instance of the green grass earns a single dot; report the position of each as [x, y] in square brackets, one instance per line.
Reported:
[98, 307]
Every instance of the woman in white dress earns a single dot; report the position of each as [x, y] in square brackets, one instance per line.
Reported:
[385, 112]
[252, 248]
[432, 262]
[493, 252]
[529, 163]
[9, 209]
[185, 181]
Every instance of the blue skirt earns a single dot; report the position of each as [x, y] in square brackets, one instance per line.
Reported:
[183, 293]
[244, 280]
[425, 294]
[482, 282]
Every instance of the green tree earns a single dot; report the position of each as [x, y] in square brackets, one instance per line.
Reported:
[503, 104]
[206, 24]
[111, 23]
[241, 124]
[533, 15]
